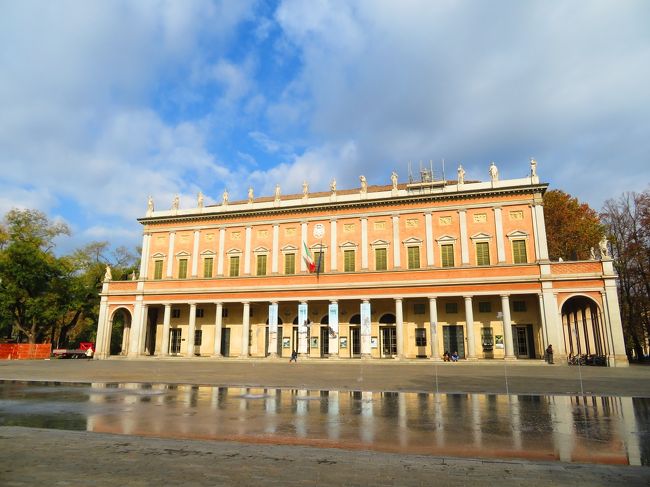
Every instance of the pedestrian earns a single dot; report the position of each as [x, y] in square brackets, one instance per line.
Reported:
[454, 357]
[549, 354]
[294, 357]
[89, 353]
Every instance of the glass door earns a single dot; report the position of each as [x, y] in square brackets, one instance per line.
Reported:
[388, 341]
[175, 341]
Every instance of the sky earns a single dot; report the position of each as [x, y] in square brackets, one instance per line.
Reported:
[105, 103]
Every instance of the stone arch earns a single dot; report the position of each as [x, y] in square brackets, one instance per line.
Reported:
[325, 320]
[388, 319]
[120, 325]
[355, 319]
[583, 326]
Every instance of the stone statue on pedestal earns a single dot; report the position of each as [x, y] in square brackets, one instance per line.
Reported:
[199, 200]
[175, 202]
[305, 189]
[494, 172]
[393, 179]
[108, 275]
[533, 167]
[364, 184]
[333, 186]
[224, 197]
[277, 192]
[461, 174]
[604, 250]
[250, 194]
[150, 205]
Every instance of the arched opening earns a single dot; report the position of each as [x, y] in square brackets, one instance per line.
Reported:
[325, 336]
[120, 326]
[583, 328]
[388, 335]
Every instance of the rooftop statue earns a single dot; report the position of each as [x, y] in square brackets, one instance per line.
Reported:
[305, 189]
[533, 167]
[199, 200]
[393, 178]
[333, 186]
[175, 202]
[108, 275]
[494, 172]
[364, 183]
[250, 194]
[604, 251]
[150, 205]
[461, 174]
[277, 192]
[224, 198]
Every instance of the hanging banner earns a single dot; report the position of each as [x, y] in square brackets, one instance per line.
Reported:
[334, 319]
[302, 318]
[273, 318]
[365, 319]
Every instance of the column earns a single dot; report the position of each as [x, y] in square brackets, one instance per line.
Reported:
[333, 315]
[303, 318]
[218, 323]
[552, 320]
[399, 325]
[170, 254]
[195, 254]
[464, 249]
[136, 326]
[273, 331]
[364, 244]
[469, 325]
[222, 243]
[303, 242]
[366, 327]
[397, 247]
[507, 327]
[540, 232]
[334, 244]
[613, 313]
[433, 327]
[275, 250]
[143, 329]
[191, 330]
[144, 258]
[498, 229]
[542, 321]
[246, 326]
[164, 348]
[247, 251]
[101, 350]
[429, 237]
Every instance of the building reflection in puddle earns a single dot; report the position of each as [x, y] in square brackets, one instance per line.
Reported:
[591, 429]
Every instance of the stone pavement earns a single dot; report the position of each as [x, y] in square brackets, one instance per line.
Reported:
[52, 457]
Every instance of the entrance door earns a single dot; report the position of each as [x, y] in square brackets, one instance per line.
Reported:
[279, 345]
[175, 341]
[388, 341]
[355, 338]
[524, 343]
[225, 342]
[454, 339]
[324, 341]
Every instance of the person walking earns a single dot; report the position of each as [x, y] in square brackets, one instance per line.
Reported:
[294, 357]
[549, 354]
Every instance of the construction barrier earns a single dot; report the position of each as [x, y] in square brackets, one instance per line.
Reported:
[25, 351]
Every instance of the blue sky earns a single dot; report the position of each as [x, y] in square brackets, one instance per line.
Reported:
[104, 103]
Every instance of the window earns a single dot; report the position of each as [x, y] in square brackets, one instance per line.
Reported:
[157, 269]
[348, 260]
[176, 313]
[487, 339]
[198, 337]
[234, 266]
[224, 312]
[207, 266]
[420, 337]
[519, 252]
[413, 257]
[199, 312]
[519, 306]
[261, 265]
[381, 263]
[484, 307]
[289, 263]
[182, 268]
[451, 308]
[418, 308]
[447, 255]
[319, 261]
[482, 253]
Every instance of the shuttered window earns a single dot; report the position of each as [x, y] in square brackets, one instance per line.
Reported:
[519, 252]
[261, 265]
[381, 263]
[157, 269]
[348, 260]
[413, 257]
[289, 263]
[182, 268]
[207, 266]
[447, 255]
[482, 253]
[319, 261]
[234, 266]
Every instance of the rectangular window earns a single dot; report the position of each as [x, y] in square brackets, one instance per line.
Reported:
[381, 263]
[413, 257]
[207, 266]
[348, 261]
[198, 337]
[519, 306]
[420, 337]
[261, 265]
[157, 269]
[319, 261]
[176, 313]
[289, 263]
[234, 266]
[418, 308]
[447, 255]
[182, 268]
[451, 308]
[224, 312]
[482, 253]
[484, 307]
[519, 252]
[199, 312]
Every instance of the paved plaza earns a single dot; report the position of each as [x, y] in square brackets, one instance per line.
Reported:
[34, 456]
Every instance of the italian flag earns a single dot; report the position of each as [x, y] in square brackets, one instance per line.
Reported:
[309, 259]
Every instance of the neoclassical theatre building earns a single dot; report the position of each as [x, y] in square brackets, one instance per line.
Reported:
[401, 271]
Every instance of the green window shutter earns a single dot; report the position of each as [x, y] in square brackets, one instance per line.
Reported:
[207, 266]
[157, 269]
[519, 252]
[319, 261]
[289, 263]
[234, 266]
[348, 261]
[182, 268]
[261, 265]
[413, 257]
[482, 253]
[447, 255]
[381, 263]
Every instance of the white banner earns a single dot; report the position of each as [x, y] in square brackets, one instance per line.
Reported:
[334, 318]
[273, 318]
[302, 318]
[365, 319]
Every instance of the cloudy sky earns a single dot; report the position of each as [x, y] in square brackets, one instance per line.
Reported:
[103, 103]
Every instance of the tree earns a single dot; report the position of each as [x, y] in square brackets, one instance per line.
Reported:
[572, 228]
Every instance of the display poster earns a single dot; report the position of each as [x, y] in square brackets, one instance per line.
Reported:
[273, 318]
[302, 317]
[334, 318]
[365, 319]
